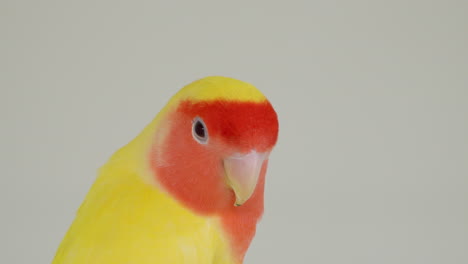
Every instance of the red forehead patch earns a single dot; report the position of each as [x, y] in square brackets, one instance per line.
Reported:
[244, 125]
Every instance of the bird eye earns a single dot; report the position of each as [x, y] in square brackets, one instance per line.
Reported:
[199, 131]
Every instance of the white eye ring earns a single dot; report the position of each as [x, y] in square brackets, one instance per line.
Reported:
[199, 130]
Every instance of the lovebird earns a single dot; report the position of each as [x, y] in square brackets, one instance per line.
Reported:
[188, 189]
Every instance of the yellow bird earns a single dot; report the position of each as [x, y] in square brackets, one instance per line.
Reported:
[188, 189]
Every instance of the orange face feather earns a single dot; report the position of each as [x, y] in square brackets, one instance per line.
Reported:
[194, 172]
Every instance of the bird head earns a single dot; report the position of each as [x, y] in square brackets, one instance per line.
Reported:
[212, 143]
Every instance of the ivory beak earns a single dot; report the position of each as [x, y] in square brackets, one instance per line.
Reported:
[242, 172]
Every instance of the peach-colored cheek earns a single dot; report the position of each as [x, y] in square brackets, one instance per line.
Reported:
[190, 171]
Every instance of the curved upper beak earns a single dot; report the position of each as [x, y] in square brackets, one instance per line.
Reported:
[242, 172]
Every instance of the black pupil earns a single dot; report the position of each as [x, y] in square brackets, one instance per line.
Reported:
[200, 129]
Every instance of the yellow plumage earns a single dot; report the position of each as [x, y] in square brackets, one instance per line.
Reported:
[127, 218]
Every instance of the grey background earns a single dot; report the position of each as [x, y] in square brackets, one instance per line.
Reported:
[372, 96]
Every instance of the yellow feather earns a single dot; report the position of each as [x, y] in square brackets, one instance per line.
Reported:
[217, 87]
[127, 218]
